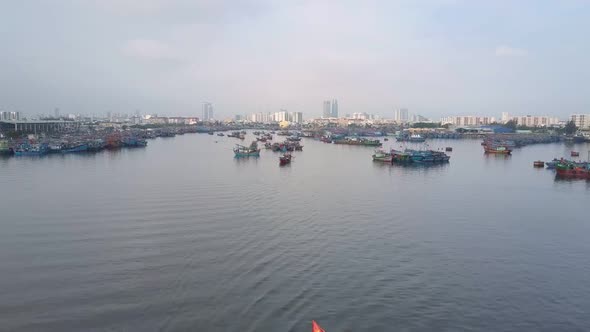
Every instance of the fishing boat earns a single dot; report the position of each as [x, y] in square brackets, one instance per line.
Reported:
[568, 169]
[294, 139]
[75, 147]
[5, 147]
[358, 141]
[448, 149]
[415, 138]
[400, 157]
[552, 164]
[247, 151]
[211, 133]
[242, 136]
[538, 163]
[27, 149]
[220, 134]
[419, 156]
[96, 145]
[235, 134]
[498, 149]
[133, 142]
[575, 154]
[285, 159]
[382, 156]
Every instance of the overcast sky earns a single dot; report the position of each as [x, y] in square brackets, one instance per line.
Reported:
[434, 57]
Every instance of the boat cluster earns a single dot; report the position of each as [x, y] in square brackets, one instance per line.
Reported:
[410, 156]
[292, 143]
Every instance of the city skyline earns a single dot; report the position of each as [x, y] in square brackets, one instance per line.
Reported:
[434, 57]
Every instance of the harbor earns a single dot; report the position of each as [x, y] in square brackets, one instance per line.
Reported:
[158, 205]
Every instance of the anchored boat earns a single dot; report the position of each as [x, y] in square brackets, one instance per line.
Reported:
[247, 151]
[382, 156]
[285, 159]
[358, 141]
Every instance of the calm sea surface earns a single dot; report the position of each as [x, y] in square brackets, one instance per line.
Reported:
[180, 236]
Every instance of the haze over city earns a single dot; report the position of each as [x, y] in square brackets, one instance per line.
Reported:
[436, 58]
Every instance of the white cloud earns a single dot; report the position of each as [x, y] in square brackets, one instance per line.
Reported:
[149, 49]
[508, 51]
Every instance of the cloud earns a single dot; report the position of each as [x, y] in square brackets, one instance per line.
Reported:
[150, 49]
[507, 51]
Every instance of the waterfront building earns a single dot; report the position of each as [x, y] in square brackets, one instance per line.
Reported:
[582, 121]
[468, 120]
[531, 120]
[10, 116]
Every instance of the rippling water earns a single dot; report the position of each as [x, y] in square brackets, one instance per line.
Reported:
[182, 236]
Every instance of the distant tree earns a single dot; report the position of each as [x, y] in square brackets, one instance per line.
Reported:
[511, 124]
[570, 128]
[426, 125]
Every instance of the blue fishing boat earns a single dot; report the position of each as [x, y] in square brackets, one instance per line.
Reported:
[75, 148]
[247, 151]
[133, 142]
[27, 149]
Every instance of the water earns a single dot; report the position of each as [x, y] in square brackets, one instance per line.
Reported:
[180, 236]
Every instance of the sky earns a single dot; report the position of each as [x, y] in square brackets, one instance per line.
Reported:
[434, 57]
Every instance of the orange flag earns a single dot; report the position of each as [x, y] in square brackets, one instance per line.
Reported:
[315, 327]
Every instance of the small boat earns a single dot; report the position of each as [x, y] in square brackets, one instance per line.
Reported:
[386, 139]
[383, 156]
[575, 154]
[285, 159]
[210, 133]
[220, 134]
[539, 163]
[500, 149]
[551, 164]
[448, 149]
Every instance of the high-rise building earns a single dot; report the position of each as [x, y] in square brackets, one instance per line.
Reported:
[401, 115]
[334, 112]
[581, 120]
[327, 112]
[56, 112]
[505, 117]
[297, 117]
[281, 116]
[207, 112]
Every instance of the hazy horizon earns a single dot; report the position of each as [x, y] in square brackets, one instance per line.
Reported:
[436, 58]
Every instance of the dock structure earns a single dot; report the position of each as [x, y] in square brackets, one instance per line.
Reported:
[37, 126]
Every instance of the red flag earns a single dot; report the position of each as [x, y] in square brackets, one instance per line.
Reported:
[315, 327]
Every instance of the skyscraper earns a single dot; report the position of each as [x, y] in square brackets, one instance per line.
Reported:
[327, 109]
[334, 112]
[401, 115]
[297, 117]
[207, 111]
